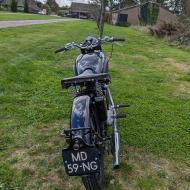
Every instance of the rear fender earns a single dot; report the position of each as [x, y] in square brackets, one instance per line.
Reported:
[80, 112]
[80, 118]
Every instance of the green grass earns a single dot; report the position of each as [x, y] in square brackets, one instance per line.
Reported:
[150, 74]
[6, 16]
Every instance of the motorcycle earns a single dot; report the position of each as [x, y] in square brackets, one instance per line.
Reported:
[93, 112]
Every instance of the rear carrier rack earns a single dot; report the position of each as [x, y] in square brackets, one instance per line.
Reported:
[82, 80]
[74, 135]
[69, 132]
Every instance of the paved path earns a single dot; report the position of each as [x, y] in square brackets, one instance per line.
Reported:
[10, 24]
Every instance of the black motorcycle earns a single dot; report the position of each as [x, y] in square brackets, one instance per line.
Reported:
[93, 111]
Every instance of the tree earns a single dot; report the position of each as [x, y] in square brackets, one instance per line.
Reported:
[149, 13]
[99, 8]
[102, 4]
[101, 18]
[186, 7]
[26, 6]
[66, 7]
[111, 4]
[175, 5]
[53, 5]
[14, 5]
[39, 4]
[48, 9]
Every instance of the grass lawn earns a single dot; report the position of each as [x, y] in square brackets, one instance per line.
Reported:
[5, 16]
[152, 76]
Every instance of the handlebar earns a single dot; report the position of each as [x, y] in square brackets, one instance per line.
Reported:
[118, 39]
[91, 46]
[60, 50]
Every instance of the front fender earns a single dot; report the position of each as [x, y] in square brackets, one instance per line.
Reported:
[80, 112]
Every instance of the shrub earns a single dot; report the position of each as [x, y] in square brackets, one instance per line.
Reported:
[124, 24]
[165, 29]
[184, 31]
[61, 13]
[3, 9]
[176, 32]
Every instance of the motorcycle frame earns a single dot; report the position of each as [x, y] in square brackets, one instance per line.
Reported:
[115, 132]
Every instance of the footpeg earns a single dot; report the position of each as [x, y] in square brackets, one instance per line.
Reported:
[119, 116]
[121, 106]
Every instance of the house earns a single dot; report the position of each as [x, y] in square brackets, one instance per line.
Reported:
[83, 10]
[128, 15]
[1, 1]
[32, 6]
[148, 13]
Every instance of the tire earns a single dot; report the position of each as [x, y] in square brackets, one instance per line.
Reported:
[96, 181]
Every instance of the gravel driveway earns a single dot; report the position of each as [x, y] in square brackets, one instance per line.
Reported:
[10, 24]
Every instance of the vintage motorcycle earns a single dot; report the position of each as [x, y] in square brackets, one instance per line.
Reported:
[93, 111]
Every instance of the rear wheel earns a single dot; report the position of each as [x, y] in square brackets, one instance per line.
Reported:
[96, 181]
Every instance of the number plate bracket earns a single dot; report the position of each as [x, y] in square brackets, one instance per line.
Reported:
[81, 162]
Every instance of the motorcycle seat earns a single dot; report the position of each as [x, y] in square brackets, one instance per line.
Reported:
[83, 79]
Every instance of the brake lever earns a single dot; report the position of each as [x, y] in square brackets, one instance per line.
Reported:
[107, 39]
[68, 46]
[119, 44]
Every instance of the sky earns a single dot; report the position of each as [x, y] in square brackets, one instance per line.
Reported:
[68, 2]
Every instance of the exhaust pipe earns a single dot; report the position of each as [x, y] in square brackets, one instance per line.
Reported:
[115, 134]
[116, 149]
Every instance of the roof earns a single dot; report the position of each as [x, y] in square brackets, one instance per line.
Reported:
[139, 5]
[82, 7]
[33, 6]
[126, 8]
[6, 2]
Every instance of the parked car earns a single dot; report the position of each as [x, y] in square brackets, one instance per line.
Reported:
[83, 17]
[68, 15]
[42, 12]
[61, 13]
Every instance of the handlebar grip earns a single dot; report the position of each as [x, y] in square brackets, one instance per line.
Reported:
[118, 39]
[60, 50]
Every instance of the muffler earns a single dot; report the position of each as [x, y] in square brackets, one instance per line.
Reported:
[116, 149]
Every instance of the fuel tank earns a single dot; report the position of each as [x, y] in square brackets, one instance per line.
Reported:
[95, 61]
